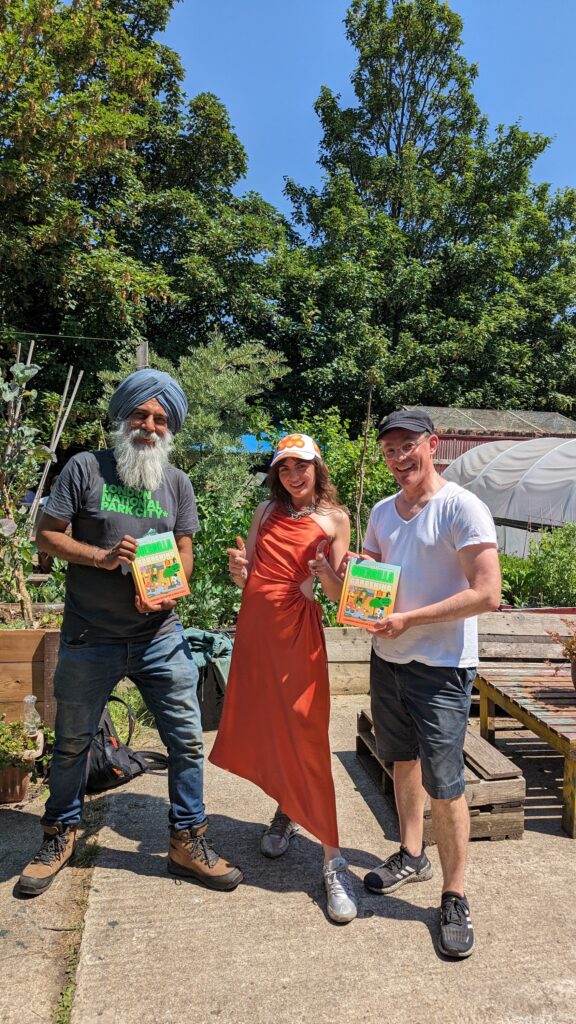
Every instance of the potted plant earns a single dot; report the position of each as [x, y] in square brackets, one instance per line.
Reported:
[19, 756]
[567, 644]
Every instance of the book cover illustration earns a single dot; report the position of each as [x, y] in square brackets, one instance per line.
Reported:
[157, 568]
[368, 593]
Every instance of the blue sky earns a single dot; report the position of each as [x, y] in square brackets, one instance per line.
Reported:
[267, 60]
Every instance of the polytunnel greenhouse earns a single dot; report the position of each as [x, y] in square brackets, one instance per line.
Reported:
[526, 485]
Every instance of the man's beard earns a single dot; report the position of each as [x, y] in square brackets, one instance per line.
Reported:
[138, 465]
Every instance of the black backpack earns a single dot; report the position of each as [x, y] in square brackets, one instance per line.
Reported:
[111, 762]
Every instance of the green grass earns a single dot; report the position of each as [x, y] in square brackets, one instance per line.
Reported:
[63, 1010]
[135, 702]
[86, 854]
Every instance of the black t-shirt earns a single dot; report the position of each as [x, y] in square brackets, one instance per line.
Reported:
[99, 605]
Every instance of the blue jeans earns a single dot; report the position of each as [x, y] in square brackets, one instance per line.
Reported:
[165, 674]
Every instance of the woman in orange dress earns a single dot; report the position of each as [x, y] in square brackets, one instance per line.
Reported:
[274, 727]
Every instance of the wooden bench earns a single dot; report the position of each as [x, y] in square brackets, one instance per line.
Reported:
[522, 671]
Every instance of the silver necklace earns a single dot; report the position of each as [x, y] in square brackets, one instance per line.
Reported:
[300, 512]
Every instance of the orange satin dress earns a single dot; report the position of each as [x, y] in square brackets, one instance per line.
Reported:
[274, 726]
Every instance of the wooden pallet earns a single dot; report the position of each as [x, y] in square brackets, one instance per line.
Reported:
[495, 787]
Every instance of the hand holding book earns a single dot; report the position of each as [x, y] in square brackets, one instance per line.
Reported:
[158, 573]
[368, 594]
[391, 627]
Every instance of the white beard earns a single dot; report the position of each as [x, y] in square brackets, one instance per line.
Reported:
[141, 466]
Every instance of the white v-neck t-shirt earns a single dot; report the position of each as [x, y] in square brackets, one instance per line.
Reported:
[426, 547]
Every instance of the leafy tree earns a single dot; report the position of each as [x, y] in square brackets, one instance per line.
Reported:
[433, 263]
[118, 218]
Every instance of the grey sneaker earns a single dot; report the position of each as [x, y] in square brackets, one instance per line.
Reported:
[277, 836]
[397, 870]
[342, 906]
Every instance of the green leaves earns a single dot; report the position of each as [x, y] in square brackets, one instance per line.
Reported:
[20, 458]
[15, 744]
[119, 220]
[547, 577]
[434, 265]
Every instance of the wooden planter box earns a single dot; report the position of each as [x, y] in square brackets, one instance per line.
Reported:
[27, 663]
[348, 659]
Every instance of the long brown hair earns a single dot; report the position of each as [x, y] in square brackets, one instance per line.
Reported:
[326, 493]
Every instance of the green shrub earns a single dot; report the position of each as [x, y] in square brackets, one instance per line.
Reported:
[516, 580]
[214, 599]
[15, 743]
[547, 576]
[51, 591]
[553, 567]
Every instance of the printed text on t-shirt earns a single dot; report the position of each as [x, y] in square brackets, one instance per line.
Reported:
[130, 502]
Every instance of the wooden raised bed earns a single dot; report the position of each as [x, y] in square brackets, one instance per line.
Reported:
[514, 636]
[495, 787]
[348, 652]
[27, 663]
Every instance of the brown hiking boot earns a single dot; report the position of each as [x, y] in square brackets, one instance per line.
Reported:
[191, 856]
[56, 850]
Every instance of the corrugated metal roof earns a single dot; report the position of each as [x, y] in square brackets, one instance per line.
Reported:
[497, 421]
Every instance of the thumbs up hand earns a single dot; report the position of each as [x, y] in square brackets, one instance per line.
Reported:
[238, 563]
[319, 565]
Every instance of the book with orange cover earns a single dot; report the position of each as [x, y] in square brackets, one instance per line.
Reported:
[157, 568]
[368, 592]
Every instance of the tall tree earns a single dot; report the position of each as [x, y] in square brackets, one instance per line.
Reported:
[433, 262]
[118, 216]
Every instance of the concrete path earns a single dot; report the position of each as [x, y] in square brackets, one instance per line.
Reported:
[159, 951]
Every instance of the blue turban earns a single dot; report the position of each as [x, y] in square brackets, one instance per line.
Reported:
[145, 384]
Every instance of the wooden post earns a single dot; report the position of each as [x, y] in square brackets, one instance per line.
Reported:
[51, 647]
[487, 714]
[569, 797]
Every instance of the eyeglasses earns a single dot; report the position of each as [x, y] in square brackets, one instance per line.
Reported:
[404, 450]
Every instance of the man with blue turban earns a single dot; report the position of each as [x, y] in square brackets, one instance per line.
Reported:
[110, 499]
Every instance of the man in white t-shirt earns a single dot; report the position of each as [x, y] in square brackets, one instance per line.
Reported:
[424, 658]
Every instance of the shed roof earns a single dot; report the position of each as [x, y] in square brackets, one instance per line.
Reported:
[521, 422]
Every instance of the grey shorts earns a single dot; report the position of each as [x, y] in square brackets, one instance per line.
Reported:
[421, 712]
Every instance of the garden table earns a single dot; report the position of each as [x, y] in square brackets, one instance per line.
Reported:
[543, 699]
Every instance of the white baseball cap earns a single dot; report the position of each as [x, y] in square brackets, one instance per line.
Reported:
[296, 446]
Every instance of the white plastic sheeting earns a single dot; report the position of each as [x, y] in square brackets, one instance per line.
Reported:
[522, 482]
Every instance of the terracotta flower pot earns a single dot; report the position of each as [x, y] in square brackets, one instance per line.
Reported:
[14, 783]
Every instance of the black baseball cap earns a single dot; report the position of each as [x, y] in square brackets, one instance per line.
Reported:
[406, 419]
